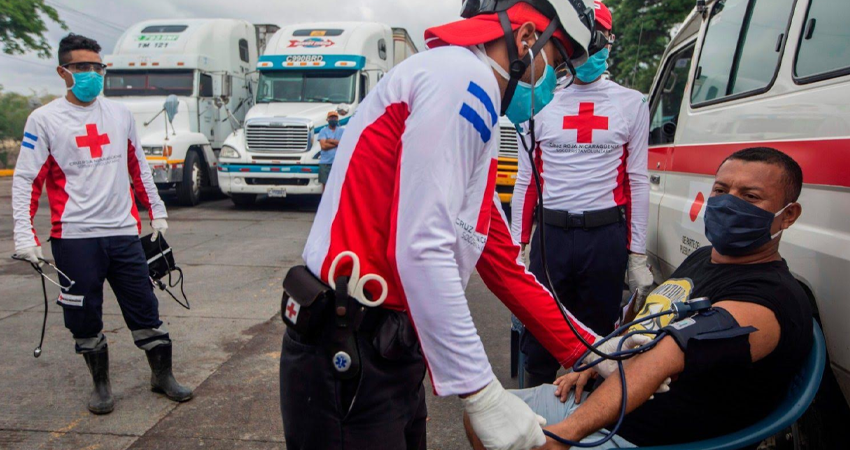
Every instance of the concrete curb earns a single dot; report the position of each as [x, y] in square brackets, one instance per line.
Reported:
[7, 172]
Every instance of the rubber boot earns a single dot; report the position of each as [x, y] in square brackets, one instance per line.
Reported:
[100, 400]
[162, 379]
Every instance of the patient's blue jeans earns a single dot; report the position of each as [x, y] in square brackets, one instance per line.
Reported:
[542, 401]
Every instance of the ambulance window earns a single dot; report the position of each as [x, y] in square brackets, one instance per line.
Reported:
[244, 53]
[668, 98]
[741, 49]
[824, 50]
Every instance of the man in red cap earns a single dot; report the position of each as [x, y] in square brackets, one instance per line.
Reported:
[591, 151]
[411, 205]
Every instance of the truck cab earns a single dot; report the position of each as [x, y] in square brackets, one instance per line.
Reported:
[307, 70]
[747, 73]
[202, 66]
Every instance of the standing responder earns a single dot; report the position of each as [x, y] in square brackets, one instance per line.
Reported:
[411, 207]
[591, 151]
[86, 149]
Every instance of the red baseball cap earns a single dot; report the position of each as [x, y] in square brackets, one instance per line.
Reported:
[486, 27]
[603, 15]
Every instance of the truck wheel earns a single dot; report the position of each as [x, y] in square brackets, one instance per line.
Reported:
[189, 190]
[243, 200]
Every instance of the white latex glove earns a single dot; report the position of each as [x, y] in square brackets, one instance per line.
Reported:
[160, 226]
[502, 421]
[31, 254]
[526, 250]
[608, 367]
[640, 279]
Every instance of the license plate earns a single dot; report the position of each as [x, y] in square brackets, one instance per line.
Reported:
[277, 192]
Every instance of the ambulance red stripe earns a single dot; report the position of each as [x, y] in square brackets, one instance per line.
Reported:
[825, 162]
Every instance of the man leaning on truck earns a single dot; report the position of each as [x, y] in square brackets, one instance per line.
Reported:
[329, 139]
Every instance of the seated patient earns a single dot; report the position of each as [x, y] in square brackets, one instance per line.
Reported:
[719, 386]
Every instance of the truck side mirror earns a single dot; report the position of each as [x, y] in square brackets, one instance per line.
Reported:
[170, 106]
[222, 86]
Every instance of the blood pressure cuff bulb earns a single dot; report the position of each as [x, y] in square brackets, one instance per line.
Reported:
[711, 340]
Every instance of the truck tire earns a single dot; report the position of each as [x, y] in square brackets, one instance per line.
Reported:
[243, 200]
[189, 189]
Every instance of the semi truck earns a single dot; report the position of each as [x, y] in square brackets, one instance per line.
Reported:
[188, 83]
[306, 71]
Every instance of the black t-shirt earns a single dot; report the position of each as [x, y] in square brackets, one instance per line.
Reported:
[710, 404]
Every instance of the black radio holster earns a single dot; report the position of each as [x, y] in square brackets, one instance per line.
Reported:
[330, 318]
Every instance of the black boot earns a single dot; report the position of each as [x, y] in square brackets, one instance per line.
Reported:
[100, 401]
[162, 379]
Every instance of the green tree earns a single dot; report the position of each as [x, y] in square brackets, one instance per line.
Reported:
[14, 110]
[643, 29]
[22, 26]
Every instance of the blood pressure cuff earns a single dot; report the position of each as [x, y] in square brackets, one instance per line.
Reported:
[711, 340]
[159, 255]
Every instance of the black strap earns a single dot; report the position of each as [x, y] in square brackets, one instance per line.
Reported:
[586, 220]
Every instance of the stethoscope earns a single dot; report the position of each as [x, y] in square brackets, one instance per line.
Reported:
[37, 352]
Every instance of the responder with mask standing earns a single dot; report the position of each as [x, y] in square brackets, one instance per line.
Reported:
[591, 151]
[86, 150]
[411, 207]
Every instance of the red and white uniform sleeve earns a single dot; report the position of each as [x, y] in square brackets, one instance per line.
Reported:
[524, 199]
[31, 171]
[140, 174]
[637, 159]
[503, 272]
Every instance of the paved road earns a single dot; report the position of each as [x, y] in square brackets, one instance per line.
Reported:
[226, 347]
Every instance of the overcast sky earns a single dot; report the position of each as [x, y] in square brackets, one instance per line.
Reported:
[105, 20]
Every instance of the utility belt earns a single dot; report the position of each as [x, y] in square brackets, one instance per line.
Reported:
[585, 220]
[332, 319]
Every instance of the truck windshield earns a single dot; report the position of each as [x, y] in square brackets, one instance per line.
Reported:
[120, 83]
[309, 86]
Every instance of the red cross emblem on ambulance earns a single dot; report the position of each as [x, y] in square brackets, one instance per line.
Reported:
[93, 140]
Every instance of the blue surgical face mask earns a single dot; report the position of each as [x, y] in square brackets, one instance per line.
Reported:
[736, 227]
[595, 66]
[87, 85]
[333, 123]
[519, 110]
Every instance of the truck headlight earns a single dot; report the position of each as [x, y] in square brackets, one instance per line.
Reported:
[229, 152]
[152, 151]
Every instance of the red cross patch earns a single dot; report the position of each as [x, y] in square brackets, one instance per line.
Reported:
[292, 309]
[585, 122]
[93, 140]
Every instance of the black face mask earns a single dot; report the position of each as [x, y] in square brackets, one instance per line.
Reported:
[333, 123]
[736, 227]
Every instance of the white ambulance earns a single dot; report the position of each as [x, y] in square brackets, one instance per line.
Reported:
[747, 73]
[205, 66]
[307, 71]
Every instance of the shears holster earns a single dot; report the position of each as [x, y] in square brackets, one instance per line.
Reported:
[329, 318]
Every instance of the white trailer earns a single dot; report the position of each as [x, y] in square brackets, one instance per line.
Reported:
[206, 64]
[306, 71]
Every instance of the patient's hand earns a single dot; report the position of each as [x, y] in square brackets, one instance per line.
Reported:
[578, 380]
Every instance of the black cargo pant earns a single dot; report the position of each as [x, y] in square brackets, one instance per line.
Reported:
[121, 261]
[381, 409]
[588, 268]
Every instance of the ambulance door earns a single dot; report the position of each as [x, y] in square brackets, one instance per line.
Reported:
[665, 107]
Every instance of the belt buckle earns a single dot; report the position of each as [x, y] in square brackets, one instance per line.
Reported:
[575, 221]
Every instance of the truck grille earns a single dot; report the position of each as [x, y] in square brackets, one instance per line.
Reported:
[508, 144]
[278, 138]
